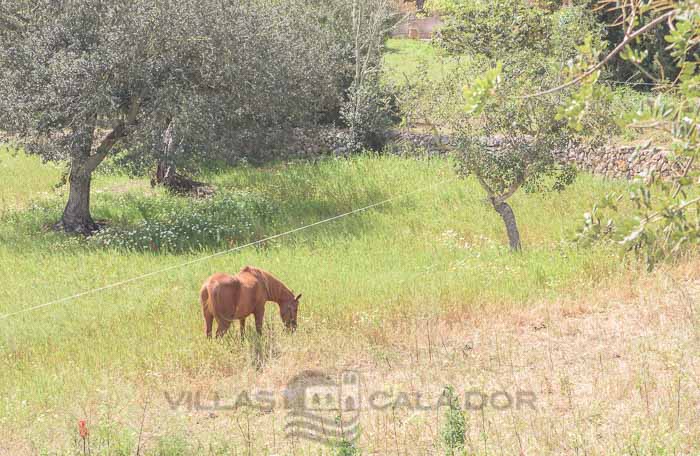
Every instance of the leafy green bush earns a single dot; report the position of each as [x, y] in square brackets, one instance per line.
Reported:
[346, 448]
[368, 114]
[494, 28]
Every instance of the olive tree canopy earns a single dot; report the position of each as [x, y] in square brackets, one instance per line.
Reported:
[82, 79]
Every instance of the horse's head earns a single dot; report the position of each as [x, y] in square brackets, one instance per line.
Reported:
[288, 311]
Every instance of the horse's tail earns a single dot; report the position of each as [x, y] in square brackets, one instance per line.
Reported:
[204, 297]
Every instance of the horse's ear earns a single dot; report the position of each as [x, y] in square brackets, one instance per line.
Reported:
[297, 298]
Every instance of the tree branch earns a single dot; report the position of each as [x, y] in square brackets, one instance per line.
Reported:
[686, 170]
[103, 149]
[12, 21]
[607, 58]
[133, 110]
[486, 186]
[115, 135]
[653, 217]
[511, 190]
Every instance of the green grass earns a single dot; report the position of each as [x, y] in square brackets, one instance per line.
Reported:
[435, 252]
[24, 178]
[27, 180]
[405, 59]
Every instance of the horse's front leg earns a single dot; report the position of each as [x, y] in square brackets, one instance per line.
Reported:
[242, 321]
[259, 318]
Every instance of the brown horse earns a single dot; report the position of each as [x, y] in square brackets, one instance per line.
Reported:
[226, 298]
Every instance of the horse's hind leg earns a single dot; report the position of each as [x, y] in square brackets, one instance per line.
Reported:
[208, 322]
[208, 317]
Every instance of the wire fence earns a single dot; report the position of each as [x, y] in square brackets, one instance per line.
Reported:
[223, 252]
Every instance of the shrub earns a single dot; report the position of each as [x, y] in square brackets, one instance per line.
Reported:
[346, 448]
[367, 114]
[366, 108]
[454, 429]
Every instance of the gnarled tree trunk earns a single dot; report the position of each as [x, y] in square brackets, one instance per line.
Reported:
[167, 175]
[76, 216]
[506, 213]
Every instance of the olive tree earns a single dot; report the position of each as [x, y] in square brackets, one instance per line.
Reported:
[505, 137]
[665, 221]
[163, 79]
[508, 142]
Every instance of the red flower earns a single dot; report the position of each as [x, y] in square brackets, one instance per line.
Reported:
[82, 429]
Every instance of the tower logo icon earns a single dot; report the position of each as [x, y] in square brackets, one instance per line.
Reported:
[323, 408]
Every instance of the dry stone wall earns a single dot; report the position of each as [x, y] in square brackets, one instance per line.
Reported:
[623, 162]
[612, 161]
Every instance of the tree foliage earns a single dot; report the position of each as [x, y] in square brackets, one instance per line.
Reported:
[81, 79]
[667, 217]
[494, 28]
[506, 138]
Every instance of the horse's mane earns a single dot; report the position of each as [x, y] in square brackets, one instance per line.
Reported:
[273, 286]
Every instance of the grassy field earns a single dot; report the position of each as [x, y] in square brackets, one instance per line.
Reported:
[405, 59]
[415, 294]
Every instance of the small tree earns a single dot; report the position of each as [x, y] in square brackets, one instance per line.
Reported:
[666, 218]
[365, 111]
[507, 139]
[509, 142]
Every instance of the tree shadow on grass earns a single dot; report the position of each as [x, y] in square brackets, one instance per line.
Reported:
[172, 224]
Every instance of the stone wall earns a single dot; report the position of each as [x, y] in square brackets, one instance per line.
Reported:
[622, 162]
[612, 161]
[619, 162]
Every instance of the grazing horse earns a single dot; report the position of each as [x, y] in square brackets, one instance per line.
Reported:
[226, 298]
